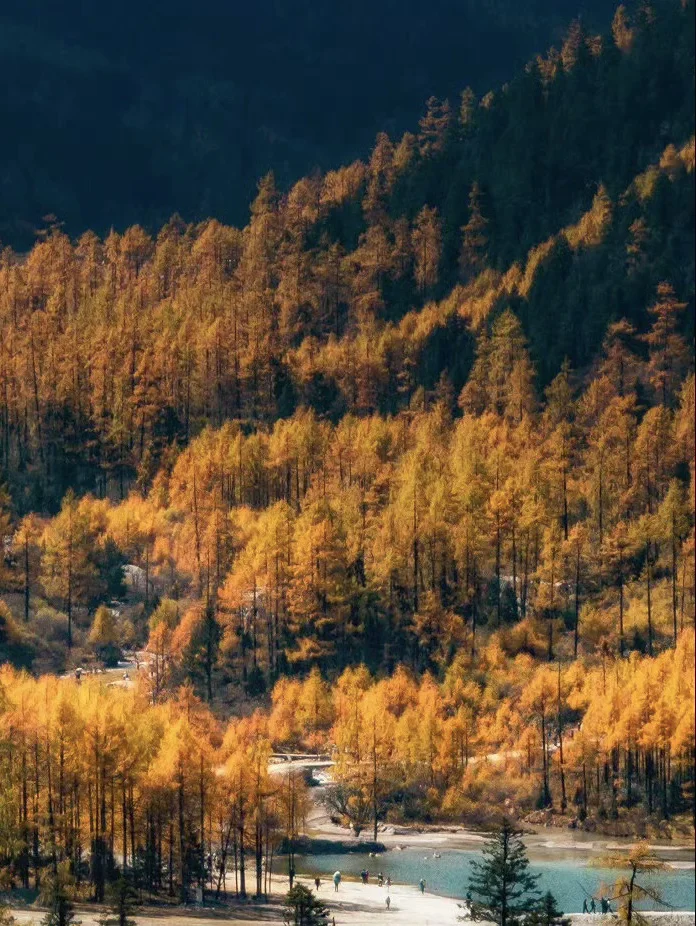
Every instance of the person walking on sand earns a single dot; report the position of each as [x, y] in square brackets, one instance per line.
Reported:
[388, 883]
[388, 901]
[336, 880]
[421, 885]
[584, 906]
[593, 905]
[317, 883]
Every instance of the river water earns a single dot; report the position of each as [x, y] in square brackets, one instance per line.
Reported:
[570, 880]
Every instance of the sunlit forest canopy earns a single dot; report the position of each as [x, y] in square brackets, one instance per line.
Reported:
[401, 471]
[98, 775]
[565, 198]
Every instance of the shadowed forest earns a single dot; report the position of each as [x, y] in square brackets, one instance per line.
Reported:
[121, 114]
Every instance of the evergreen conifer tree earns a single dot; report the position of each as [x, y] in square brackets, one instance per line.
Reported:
[302, 908]
[122, 901]
[56, 895]
[548, 913]
[501, 886]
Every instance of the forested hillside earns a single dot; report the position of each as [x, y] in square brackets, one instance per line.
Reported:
[566, 197]
[415, 446]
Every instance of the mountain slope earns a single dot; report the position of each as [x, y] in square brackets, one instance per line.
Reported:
[566, 197]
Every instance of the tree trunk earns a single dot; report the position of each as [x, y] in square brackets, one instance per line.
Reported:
[648, 576]
[560, 745]
[576, 629]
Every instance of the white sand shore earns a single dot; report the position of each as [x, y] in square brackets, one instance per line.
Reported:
[359, 904]
[542, 842]
[354, 904]
[661, 918]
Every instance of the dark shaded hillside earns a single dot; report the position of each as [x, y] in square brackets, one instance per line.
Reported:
[123, 113]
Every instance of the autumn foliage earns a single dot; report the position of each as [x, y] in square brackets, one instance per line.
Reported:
[398, 473]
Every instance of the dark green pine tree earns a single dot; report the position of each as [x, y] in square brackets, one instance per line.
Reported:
[547, 914]
[302, 908]
[501, 887]
[122, 900]
[56, 895]
[474, 251]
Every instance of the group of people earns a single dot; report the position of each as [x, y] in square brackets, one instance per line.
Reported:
[92, 670]
[365, 878]
[604, 904]
[591, 907]
[98, 670]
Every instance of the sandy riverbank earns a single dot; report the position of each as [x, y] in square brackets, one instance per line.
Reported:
[358, 904]
[543, 843]
[354, 904]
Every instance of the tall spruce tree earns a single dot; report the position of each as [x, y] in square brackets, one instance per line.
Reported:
[548, 913]
[302, 908]
[122, 900]
[56, 895]
[501, 886]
